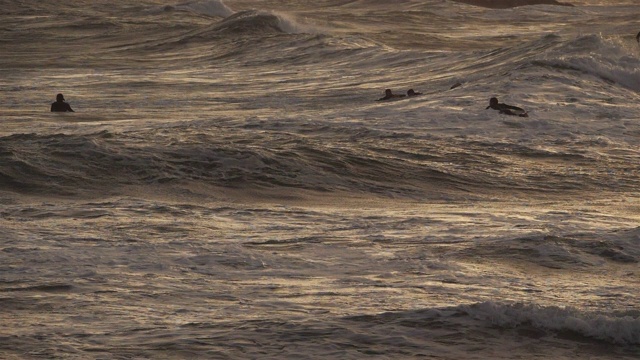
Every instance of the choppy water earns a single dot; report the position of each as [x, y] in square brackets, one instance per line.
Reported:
[228, 187]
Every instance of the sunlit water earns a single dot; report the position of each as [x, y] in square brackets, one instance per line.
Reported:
[229, 187]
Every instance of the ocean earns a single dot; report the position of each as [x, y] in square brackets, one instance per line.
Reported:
[230, 186]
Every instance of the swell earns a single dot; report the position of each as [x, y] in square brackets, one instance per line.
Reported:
[241, 37]
[574, 251]
[255, 37]
[333, 159]
[248, 22]
[505, 4]
[66, 163]
[572, 324]
[608, 59]
[526, 320]
[488, 329]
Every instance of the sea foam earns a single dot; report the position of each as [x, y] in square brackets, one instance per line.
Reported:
[619, 329]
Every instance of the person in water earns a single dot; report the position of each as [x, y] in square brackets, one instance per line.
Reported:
[506, 109]
[413, 93]
[638, 37]
[60, 105]
[389, 95]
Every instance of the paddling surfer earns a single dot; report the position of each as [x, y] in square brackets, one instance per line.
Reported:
[390, 95]
[506, 109]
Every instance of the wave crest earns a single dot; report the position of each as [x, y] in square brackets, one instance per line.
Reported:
[506, 4]
[607, 59]
[611, 328]
[255, 21]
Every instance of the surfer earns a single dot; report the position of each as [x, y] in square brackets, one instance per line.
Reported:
[389, 95]
[413, 93]
[638, 37]
[61, 105]
[506, 109]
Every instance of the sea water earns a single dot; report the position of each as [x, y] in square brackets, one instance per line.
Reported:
[228, 187]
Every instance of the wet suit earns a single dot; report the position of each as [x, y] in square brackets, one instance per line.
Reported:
[389, 95]
[60, 106]
[506, 109]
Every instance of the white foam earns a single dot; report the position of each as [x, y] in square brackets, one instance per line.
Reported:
[292, 25]
[606, 58]
[606, 327]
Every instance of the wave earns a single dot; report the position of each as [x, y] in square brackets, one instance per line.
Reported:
[564, 252]
[252, 25]
[505, 4]
[255, 21]
[613, 328]
[311, 157]
[496, 321]
[250, 21]
[35, 164]
[610, 60]
[247, 21]
[65, 163]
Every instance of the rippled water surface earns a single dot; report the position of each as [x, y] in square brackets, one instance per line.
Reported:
[229, 187]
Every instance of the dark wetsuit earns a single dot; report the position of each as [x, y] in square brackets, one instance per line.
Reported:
[506, 109]
[394, 96]
[509, 110]
[389, 95]
[61, 106]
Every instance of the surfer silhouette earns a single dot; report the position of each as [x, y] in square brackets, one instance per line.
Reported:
[506, 109]
[60, 105]
[390, 95]
[638, 37]
[410, 93]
